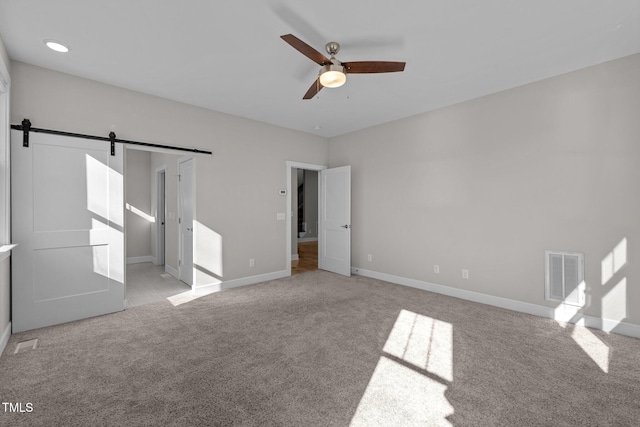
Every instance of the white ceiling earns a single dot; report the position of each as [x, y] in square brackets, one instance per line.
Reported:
[228, 56]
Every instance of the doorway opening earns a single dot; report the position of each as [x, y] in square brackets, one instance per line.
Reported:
[302, 216]
[304, 244]
[152, 226]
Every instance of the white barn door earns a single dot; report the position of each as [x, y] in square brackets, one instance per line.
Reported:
[334, 246]
[67, 219]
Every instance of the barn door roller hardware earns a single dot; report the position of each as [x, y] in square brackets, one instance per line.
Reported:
[25, 127]
[112, 138]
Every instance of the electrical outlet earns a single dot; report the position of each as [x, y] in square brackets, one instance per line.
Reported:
[436, 269]
[252, 262]
[465, 274]
[369, 258]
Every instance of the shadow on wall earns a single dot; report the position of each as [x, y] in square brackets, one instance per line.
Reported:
[107, 230]
[140, 213]
[613, 306]
[207, 265]
[614, 302]
[207, 258]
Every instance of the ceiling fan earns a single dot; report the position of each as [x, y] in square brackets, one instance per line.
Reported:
[334, 72]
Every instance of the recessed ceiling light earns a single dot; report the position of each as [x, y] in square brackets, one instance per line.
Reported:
[56, 45]
[317, 127]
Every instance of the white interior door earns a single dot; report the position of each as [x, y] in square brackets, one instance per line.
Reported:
[186, 204]
[334, 245]
[67, 219]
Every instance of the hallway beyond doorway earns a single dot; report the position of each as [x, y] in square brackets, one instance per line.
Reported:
[307, 258]
[147, 283]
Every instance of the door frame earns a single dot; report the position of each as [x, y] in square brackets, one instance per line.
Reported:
[5, 161]
[181, 160]
[161, 214]
[290, 165]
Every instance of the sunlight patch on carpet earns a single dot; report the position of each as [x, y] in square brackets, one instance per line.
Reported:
[593, 346]
[424, 342]
[411, 390]
[400, 396]
[191, 295]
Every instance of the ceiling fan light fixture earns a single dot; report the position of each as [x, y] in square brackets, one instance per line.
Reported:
[332, 75]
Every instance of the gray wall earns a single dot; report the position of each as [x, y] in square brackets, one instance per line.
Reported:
[489, 184]
[232, 205]
[138, 198]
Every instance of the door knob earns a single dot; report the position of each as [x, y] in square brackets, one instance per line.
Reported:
[345, 226]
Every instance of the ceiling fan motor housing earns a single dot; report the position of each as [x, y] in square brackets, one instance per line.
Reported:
[332, 48]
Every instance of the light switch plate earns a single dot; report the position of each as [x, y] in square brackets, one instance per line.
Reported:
[280, 216]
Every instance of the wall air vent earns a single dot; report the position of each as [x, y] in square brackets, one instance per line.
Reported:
[564, 277]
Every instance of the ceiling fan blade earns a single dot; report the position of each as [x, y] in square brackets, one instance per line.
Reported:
[315, 88]
[371, 67]
[305, 49]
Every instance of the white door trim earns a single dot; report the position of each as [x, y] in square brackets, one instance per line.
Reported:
[289, 166]
[161, 215]
[5, 162]
[181, 160]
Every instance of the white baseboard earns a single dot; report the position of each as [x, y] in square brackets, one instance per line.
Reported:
[172, 271]
[307, 239]
[243, 281]
[562, 313]
[608, 325]
[139, 259]
[154, 260]
[4, 339]
[294, 257]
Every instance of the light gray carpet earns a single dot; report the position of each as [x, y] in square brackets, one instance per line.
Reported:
[317, 349]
